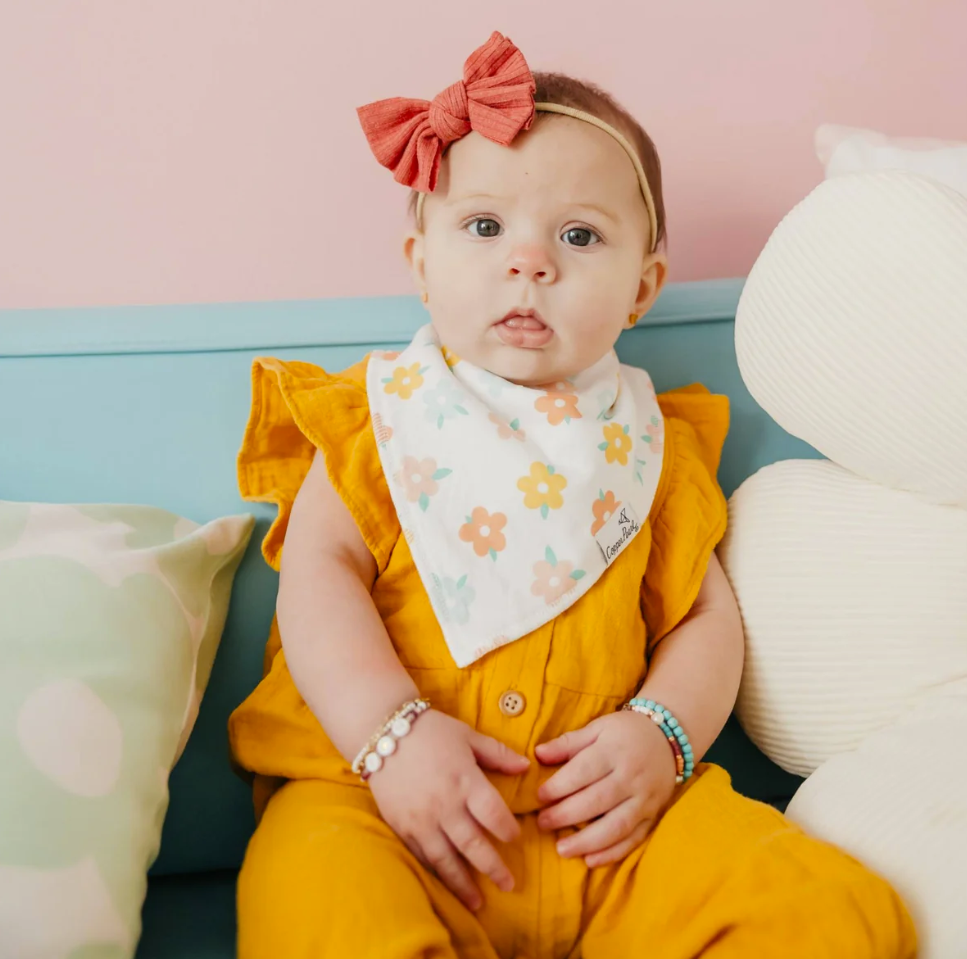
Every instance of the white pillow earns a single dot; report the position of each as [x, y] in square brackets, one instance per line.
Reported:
[898, 804]
[851, 331]
[854, 150]
[854, 603]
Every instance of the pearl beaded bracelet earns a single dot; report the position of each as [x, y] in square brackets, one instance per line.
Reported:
[384, 742]
[666, 722]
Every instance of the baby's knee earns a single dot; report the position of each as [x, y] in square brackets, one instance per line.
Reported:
[309, 878]
[835, 907]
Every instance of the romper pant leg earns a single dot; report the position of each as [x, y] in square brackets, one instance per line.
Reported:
[324, 876]
[724, 877]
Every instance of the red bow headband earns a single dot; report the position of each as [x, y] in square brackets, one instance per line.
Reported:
[495, 98]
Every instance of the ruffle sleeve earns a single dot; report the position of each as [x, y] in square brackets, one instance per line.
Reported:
[298, 408]
[689, 515]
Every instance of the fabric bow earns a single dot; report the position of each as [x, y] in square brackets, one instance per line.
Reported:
[495, 98]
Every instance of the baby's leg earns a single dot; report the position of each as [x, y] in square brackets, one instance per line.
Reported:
[324, 876]
[724, 877]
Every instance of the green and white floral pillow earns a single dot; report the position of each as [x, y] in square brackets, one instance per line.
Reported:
[110, 617]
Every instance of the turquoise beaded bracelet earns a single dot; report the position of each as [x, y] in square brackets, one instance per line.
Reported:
[673, 731]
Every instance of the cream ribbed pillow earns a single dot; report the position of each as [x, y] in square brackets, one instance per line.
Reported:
[852, 578]
[852, 330]
[854, 600]
[898, 803]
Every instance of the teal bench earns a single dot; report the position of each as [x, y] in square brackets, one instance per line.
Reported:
[148, 404]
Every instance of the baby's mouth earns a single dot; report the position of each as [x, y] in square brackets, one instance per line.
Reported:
[525, 329]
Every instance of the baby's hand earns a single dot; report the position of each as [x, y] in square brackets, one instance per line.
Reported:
[435, 797]
[620, 772]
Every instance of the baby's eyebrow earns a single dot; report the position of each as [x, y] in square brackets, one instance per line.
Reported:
[466, 197]
[598, 209]
[460, 198]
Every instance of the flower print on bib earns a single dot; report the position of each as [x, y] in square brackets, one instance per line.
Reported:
[514, 500]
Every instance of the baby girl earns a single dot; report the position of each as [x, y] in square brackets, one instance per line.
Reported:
[503, 640]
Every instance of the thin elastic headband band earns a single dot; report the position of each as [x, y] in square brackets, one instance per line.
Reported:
[612, 132]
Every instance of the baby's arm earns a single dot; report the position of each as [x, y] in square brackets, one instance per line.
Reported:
[336, 647]
[695, 670]
[432, 791]
[620, 767]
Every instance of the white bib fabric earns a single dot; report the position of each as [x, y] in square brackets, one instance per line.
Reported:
[513, 500]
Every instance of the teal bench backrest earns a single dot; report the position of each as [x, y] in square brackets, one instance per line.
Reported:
[148, 404]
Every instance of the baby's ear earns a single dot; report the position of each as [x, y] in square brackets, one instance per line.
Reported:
[413, 250]
[654, 272]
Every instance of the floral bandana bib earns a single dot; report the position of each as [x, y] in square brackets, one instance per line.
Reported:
[514, 500]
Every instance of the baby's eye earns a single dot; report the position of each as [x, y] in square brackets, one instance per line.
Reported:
[483, 227]
[580, 236]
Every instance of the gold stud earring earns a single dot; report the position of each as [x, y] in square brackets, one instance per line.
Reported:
[632, 319]
[425, 297]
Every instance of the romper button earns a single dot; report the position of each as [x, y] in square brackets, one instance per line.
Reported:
[512, 703]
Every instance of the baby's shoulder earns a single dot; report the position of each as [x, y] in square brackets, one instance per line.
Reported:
[299, 410]
[696, 424]
[304, 375]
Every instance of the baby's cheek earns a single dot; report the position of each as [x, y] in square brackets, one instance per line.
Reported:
[462, 311]
[596, 325]
[452, 281]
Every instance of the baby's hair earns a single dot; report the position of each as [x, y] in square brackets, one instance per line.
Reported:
[583, 95]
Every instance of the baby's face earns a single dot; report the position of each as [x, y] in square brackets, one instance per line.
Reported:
[534, 255]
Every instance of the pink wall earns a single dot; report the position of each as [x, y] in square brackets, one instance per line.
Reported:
[200, 150]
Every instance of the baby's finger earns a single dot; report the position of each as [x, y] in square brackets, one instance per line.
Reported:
[415, 848]
[603, 833]
[447, 864]
[565, 747]
[583, 806]
[494, 755]
[621, 849]
[487, 806]
[473, 845]
[585, 768]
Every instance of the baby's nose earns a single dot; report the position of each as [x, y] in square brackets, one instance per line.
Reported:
[532, 261]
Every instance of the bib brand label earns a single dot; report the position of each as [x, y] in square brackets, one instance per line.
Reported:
[617, 533]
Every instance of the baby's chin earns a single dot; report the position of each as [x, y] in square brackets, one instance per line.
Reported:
[522, 366]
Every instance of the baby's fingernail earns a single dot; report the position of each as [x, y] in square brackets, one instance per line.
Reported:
[563, 847]
[507, 885]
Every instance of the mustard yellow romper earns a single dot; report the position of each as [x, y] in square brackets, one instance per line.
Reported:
[720, 876]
